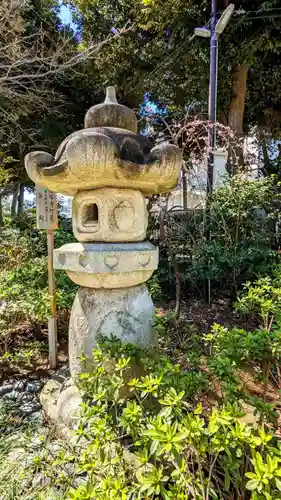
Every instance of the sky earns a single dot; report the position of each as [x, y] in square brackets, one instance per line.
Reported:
[66, 16]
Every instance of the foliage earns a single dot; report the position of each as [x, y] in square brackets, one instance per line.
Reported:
[32, 301]
[261, 346]
[45, 86]
[244, 346]
[24, 277]
[236, 348]
[141, 438]
[154, 288]
[242, 224]
[14, 248]
[263, 297]
[23, 356]
[173, 65]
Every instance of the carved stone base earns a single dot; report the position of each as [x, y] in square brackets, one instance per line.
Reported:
[126, 313]
[107, 265]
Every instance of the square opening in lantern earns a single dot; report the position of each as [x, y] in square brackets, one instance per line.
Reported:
[90, 217]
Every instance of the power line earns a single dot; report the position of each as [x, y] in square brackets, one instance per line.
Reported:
[249, 15]
[262, 17]
[242, 12]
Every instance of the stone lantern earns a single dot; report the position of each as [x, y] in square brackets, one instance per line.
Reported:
[109, 169]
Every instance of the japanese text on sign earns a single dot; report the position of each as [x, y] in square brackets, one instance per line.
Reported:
[46, 209]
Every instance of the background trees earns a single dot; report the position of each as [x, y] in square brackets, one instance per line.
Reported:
[160, 56]
[44, 91]
[49, 75]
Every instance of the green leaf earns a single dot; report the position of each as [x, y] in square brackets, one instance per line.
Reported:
[144, 487]
[165, 494]
[227, 480]
[251, 475]
[252, 484]
[199, 409]
[166, 412]
[259, 466]
[153, 447]
[278, 484]
[267, 495]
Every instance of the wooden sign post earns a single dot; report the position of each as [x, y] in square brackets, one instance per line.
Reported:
[47, 218]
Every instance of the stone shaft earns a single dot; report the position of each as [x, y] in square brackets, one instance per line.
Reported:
[123, 313]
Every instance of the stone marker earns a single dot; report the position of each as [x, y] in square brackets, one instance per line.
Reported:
[108, 168]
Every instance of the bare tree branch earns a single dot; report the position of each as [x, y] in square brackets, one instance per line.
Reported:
[26, 59]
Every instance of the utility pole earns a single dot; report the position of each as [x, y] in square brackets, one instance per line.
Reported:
[216, 28]
[212, 114]
[212, 99]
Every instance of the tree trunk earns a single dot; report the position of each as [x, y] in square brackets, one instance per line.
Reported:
[267, 166]
[270, 166]
[21, 199]
[178, 292]
[184, 188]
[14, 201]
[237, 107]
[1, 213]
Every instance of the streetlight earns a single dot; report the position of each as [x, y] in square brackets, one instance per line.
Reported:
[223, 20]
[217, 27]
[204, 32]
[220, 25]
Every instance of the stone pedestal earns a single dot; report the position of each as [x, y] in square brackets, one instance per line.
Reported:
[113, 300]
[125, 313]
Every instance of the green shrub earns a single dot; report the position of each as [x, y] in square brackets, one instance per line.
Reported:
[242, 225]
[142, 438]
[234, 348]
[25, 298]
[28, 288]
[14, 249]
[263, 297]
[154, 288]
[21, 241]
[243, 346]
[24, 293]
